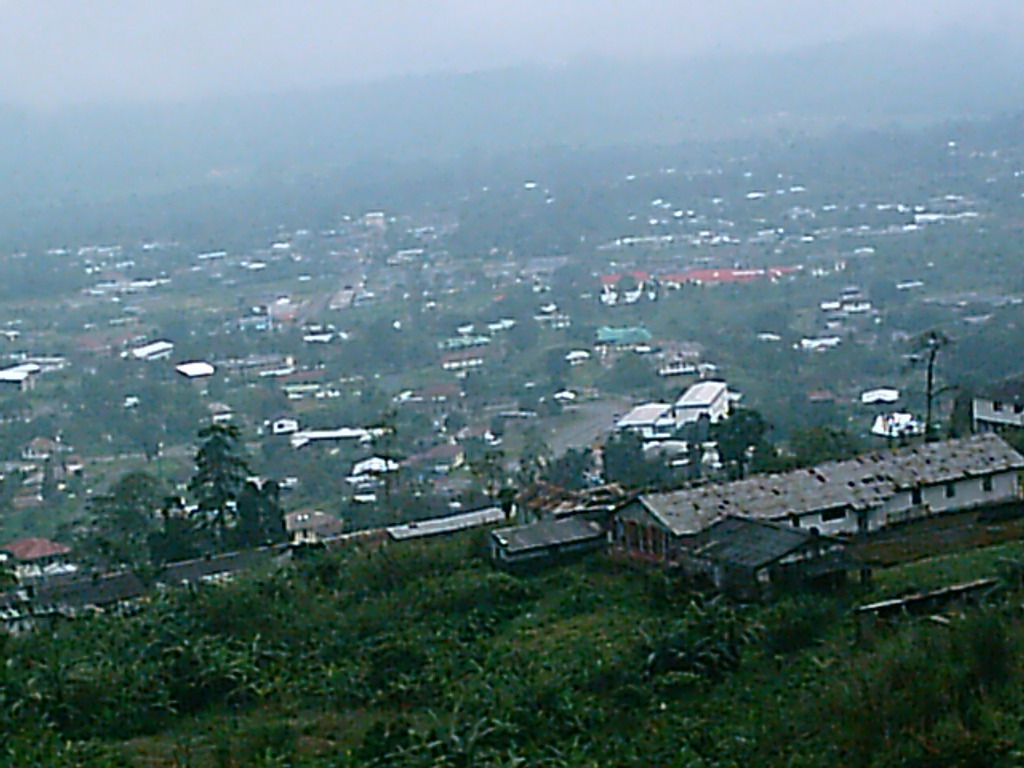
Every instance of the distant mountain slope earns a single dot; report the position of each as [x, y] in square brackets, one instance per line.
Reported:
[105, 154]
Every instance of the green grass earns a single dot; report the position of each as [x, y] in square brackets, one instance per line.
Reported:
[423, 655]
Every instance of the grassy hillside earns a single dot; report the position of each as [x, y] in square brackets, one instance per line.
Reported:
[422, 655]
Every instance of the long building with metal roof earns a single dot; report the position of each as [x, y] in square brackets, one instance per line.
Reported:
[861, 494]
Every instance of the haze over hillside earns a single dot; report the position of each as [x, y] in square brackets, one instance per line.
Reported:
[110, 155]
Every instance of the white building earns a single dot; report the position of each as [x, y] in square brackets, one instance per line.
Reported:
[886, 395]
[705, 398]
[896, 425]
[863, 494]
[20, 376]
[652, 421]
[155, 350]
[999, 406]
[195, 369]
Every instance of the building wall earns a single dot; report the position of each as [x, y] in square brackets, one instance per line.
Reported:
[637, 533]
[967, 493]
[828, 522]
[989, 412]
[716, 410]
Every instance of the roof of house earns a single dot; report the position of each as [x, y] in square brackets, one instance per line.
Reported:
[20, 372]
[750, 543]
[374, 465]
[195, 369]
[313, 520]
[862, 482]
[702, 394]
[648, 413]
[152, 350]
[547, 533]
[607, 334]
[448, 524]
[728, 275]
[1007, 391]
[442, 452]
[35, 549]
[880, 395]
[43, 444]
[83, 591]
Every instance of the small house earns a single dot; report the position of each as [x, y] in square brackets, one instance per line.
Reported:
[311, 526]
[750, 558]
[999, 406]
[438, 526]
[41, 449]
[37, 558]
[545, 541]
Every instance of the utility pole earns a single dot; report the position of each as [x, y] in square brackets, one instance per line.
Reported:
[931, 343]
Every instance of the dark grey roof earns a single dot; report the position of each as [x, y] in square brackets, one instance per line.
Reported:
[1006, 391]
[752, 543]
[863, 482]
[82, 591]
[547, 533]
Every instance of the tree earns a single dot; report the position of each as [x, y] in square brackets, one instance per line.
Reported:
[489, 469]
[260, 519]
[220, 471]
[624, 462]
[823, 443]
[740, 438]
[122, 521]
[569, 471]
[176, 539]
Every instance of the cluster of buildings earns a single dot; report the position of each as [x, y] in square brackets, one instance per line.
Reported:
[709, 400]
[747, 537]
[750, 534]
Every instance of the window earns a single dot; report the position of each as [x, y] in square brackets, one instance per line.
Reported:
[915, 495]
[950, 490]
[1018, 408]
[831, 515]
[986, 484]
[997, 406]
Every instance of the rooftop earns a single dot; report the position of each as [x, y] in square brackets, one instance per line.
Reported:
[647, 413]
[547, 533]
[35, 549]
[702, 394]
[862, 482]
[752, 543]
[1007, 391]
[449, 524]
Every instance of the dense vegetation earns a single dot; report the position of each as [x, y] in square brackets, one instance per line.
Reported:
[423, 655]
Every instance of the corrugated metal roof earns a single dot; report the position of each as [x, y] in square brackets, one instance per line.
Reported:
[547, 533]
[863, 482]
[752, 543]
[449, 524]
[1006, 391]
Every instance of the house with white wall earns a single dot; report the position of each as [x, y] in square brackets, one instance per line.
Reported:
[842, 498]
[705, 398]
[652, 421]
[999, 406]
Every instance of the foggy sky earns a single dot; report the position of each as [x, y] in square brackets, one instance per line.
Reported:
[58, 52]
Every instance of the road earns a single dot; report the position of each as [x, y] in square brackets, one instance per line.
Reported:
[581, 425]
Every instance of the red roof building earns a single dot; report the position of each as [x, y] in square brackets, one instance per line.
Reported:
[29, 550]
